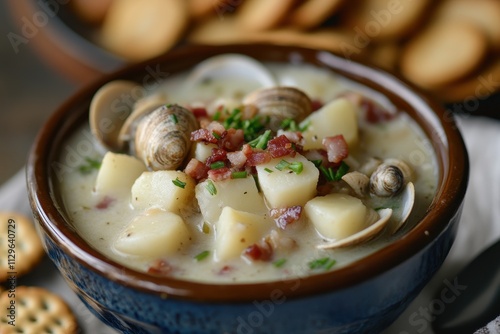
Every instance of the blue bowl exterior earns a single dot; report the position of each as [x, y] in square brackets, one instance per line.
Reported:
[368, 307]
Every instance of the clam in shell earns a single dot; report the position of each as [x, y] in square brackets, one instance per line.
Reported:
[109, 109]
[364, 235]
[387, 180]
[280, 103]
[162, 137]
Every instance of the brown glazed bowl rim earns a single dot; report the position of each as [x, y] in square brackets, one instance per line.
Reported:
[439, 126]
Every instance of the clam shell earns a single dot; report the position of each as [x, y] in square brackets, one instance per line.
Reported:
[386, 180]
[364, 235]
[230, 65]
[407, 200]
[109, 109]
[162, 138]
[280, 103]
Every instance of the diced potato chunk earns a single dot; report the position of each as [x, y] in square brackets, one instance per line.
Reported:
[155, 233]
[203, 151]
[336, 216]
[240, 194]
[286, 188]
[236, 230]
[169, 190]
[117, 173]
[335, 118]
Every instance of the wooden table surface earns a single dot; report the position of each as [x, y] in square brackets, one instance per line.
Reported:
[29, 92]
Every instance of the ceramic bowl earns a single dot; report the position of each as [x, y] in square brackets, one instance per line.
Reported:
[364, 297]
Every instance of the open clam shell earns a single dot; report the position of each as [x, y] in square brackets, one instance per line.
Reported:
[402, 212]
[231, 65]
[109, 109]
[363, 235]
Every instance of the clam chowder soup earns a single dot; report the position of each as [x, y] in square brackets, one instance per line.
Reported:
[241, 171]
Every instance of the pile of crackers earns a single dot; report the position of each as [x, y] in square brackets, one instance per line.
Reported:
[27, 309]
[448, 47]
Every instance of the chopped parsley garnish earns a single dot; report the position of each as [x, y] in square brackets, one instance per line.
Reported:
[324, 263]
[174, 118]
[89, 166]
[216, 135]
[279, 263]
[216, 115]
[217, 165]
[334, 175]
[202, 256]
[211, 188]
[239, 175]
[268, 170]
[252, 128]
[297, 167]
[317, 162]
[179, 183]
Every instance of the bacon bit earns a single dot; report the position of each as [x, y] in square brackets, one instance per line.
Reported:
[196, 169]
[336, 148]
[160, 268]
[375, 113]
[105, 203]
[232, 139]
[316, 104]
[203, 135]
[225, 270]
[218, 154]
[237, 159]
[220, 174]
[286, 216]
[280, 146]
[217, 127]
[258, 158]
[261, 251]
[293, 136]
[199, 112]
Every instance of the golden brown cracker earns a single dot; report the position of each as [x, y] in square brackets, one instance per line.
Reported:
[385, 19]
[445, 52]
[35, 310]
[202, 8]
[259, 15]
[92, 11]
[21, 248]
[216, 31]
[483, 13]
[311, 13]
[139, 30]
[478, 85]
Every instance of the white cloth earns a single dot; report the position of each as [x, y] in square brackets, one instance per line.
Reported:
[479, 228]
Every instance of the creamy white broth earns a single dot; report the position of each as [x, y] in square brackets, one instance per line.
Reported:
[399, 138]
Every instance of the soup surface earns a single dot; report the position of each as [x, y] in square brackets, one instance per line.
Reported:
[273, 198]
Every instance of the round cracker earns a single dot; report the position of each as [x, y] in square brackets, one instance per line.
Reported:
[479, 85]
[445, 52]
[483, 13]
[92, 11]
[259, 15]
[21, 248]
[312, 13]
[216, 31]
[139, 30]
[386, 19]
[37, 310]
[202, 8]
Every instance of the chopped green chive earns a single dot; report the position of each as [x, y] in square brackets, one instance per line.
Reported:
[179, 183]
[202, 256]
[279, 263]
[324, 263]
[168, 105]
[268, 170]
[211, 188]
[304, 125]
[216, 135]
[239, 175]
[297, 167]
[216, 116]
[282, 165]
[89, 166]
[317, 162]
[217, 165]
[174, 118]
[261, 141]
[332, 175]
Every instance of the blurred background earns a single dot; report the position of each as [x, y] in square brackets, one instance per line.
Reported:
[51, 48]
